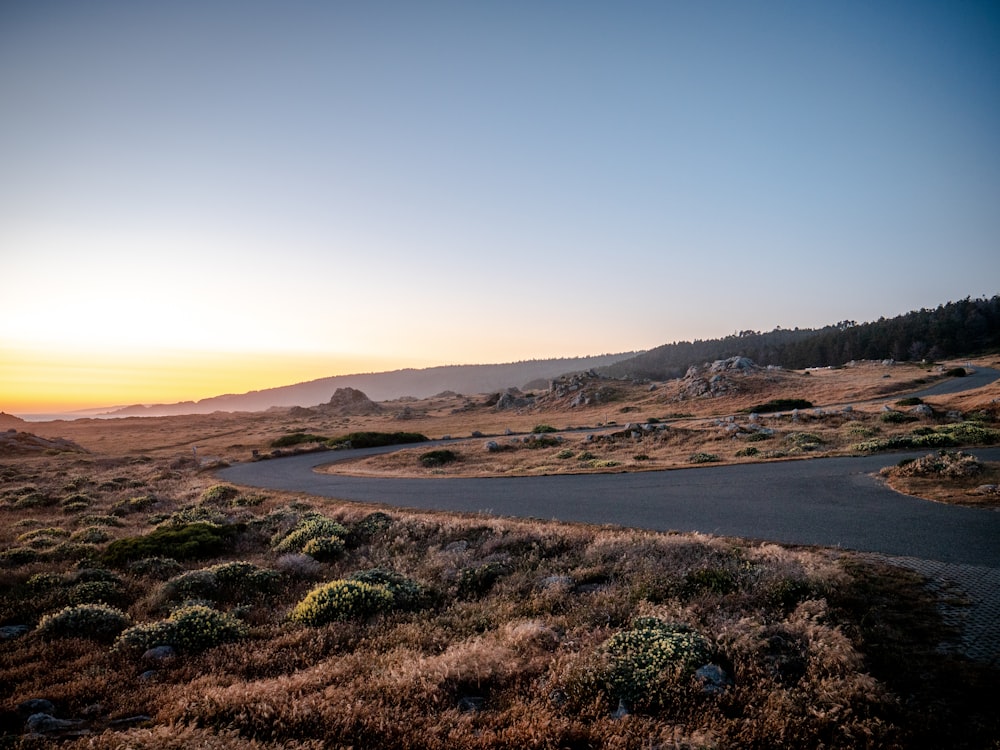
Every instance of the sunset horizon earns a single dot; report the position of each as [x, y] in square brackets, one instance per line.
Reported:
[209, 199]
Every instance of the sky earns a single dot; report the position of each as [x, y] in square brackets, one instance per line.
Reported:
[200, 198]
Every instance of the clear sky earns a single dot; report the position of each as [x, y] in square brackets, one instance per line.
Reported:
[208, 197]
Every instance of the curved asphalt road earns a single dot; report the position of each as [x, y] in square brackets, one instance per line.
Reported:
[832, 502]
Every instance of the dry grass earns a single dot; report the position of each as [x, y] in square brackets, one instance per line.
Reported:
[506, 651]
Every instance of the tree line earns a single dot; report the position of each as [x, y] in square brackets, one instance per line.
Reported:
[965, 328]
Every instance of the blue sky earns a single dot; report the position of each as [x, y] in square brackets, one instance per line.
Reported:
[376, 185]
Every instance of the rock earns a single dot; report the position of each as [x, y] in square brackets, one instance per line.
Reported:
[457, 546]
[491, 446]
[922, 410]
[36, 706]
[159, 654]
[713, 679]
[476, 434]
[471, 703]
[556, 582]
[956, 415]
[9, 632]
[622, 711]
[349, 402]
[150, 675]
[130, 721]
[43, 723]
[988, 489]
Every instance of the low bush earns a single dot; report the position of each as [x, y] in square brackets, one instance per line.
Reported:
[758, 437]
[296, 438]
[747, 452]
[96, 622]
[186, 542]
[219, 493]
[896, 417]
[376, 439]
[438, 458]
[341, 600]
[477, 581]
[406, 593]
[910, 401]
[368, 528]
[189, 629]
[956, 372]
[323, 536]
[539, 429]
[780, 404]
[565, 453]
[158, 568]
[642, 660]
[542, 441]
[702, 458]
[227, 582]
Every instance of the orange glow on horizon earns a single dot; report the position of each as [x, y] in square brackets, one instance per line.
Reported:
[37, 381]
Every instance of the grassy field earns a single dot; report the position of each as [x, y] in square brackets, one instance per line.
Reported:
[299, 622]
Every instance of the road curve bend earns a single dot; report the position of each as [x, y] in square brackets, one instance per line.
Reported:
[832, 502]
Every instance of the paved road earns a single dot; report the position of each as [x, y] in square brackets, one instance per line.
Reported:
[834, 502]
[977, 378]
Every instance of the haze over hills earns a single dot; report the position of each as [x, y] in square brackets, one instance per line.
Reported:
[955, 329]
[384, 386]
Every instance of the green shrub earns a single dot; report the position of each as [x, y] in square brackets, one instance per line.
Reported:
[368, 528]
[16, 556]
[341, 600]
[712, 580]
[97, 592]
[195, 514]
[542, 441]
[603, 463]
[91, 535]
[190, 629]
[747, 452]
[137, 504]
[910, 401]
[565, 453]
[539, 429]
[49, 532]
[805, 441]
[956, 372]
[100, 520]
[187, 542]
[780, 404]
[896, 417]
[296, 438]
[641, 661]
[758, 437]
[34, 500]
[310, 528]
[702, 458]
[477, 581]
[226, 582]
[438, 458]
[96, 622]
[640, 457]
[219, 493]
[324, 549]
[376, 439]
[585, 456]
[159, 568]
[406, 593]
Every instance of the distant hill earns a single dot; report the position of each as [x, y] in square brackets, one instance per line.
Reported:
[956, 329]
[385, 386]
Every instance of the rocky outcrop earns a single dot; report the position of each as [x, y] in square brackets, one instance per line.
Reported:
[716, 379]
[349, 402]
[14, 443]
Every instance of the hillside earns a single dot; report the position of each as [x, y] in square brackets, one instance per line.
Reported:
[385, 386]
[965, 328]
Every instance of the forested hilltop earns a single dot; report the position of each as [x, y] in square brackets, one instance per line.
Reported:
[956, 329]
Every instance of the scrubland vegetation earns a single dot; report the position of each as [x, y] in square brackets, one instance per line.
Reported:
[294, 622]
[145, 605]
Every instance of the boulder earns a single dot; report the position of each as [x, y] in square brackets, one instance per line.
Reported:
[349, 402]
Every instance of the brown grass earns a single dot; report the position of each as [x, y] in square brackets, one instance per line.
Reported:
[823, 649]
